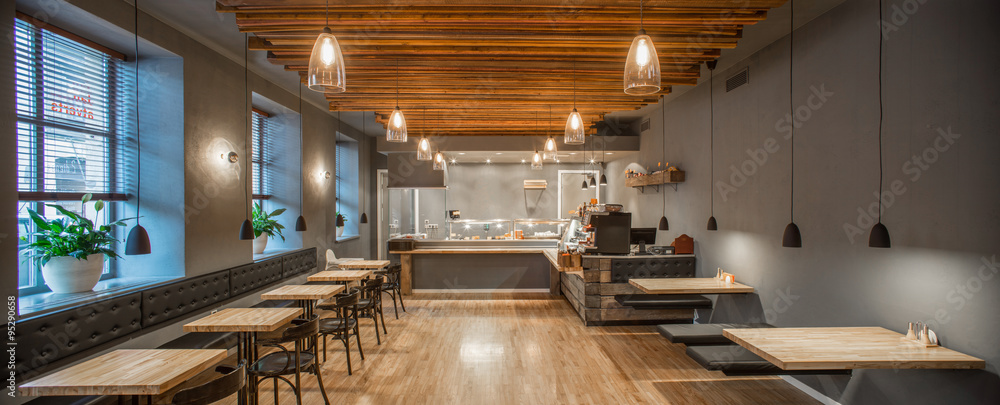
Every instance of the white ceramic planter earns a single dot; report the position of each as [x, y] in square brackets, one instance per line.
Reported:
[66, 274]
[260, 243]
[340, 231]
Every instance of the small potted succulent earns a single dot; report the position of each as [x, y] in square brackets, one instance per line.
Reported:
[70, 250]
[265, 226]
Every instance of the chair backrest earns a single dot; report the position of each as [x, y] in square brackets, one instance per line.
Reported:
[331, 257]
[231, 382]
[393, 272]
[347, 300]
[300, 329]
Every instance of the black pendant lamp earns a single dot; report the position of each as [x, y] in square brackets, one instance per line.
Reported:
[137, 242]
[792, 238]
[364, 194]
[664, 225]
[585, 185]
[713, 225]
[300, 222]
[246, 229]
[340, 217]
[604, 179]
[879, 237]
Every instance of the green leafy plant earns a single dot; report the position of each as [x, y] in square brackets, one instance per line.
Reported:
[72, 235]
[264, 222]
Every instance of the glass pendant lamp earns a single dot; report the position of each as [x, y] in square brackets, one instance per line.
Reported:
[439, 162]
[396, 130]
[550, 149]
[424, 149]
[326, 62]
[642, 67]
[536, 161]
[574, 133]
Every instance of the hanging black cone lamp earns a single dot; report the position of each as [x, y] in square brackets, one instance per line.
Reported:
[137, 242]
[664, 225]
[713, 225]
[792, 238]
[246, 229]
[300, 222]
[364, 195]
[584, 186]
[593, 182]
[879, 237]
[364, 218]
[604, 180]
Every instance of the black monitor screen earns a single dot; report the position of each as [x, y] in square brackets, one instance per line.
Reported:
[643, 235]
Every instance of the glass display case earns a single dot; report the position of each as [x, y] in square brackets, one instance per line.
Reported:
[540, 228]
[480, 229]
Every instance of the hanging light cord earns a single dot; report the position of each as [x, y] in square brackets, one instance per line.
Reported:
[327, 13]
[791, 109]
[880, 43]
[301, 126]
[574, 84]
[664, 158]
[397, 83]
[246, 107]
[711, 114]
[640, 15]
[138, 139]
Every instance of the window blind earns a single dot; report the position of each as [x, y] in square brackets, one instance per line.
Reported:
[73, 119]
[263, 135]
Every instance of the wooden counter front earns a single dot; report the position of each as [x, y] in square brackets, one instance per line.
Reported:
[406, 262]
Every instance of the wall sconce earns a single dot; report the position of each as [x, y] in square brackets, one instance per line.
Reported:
[325, 175]
[232, 157]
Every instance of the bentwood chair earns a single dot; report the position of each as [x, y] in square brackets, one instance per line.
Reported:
[392, 287]
[283, 362]
[343, 325]
[232, 381]
[370, 304]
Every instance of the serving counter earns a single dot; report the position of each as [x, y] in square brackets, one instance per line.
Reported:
[479, 266]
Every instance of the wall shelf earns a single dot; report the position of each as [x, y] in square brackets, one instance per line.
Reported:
[671, 178]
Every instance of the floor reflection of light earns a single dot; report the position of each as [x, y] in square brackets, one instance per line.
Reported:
[478, 352]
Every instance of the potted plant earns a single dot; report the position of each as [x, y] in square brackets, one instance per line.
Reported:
[70, 249]
[265, 226]
[341, 219]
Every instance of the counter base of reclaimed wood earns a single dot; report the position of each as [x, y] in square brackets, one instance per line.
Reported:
[406, 263]
[595, 303]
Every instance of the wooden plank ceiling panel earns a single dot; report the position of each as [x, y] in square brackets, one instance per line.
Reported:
[494, 67]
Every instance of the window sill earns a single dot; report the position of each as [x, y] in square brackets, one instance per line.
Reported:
[270, 253]
[347, 238]
[41, 303]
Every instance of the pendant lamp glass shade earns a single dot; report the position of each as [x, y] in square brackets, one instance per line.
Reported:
[536, 161]
[712, 224]
[246, 230]
[604, 180]
[792, 237]
[642, 67]
[340, 220]
[439, 162]
[879, 237]
[424, 150]
[574, 134]
[396, 131]
[550, 149]
[300, 224]
[664, 225]
[137, 242]
[326, 65]
[364, 218]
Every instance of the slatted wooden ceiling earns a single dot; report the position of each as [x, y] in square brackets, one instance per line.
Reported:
[489, 67]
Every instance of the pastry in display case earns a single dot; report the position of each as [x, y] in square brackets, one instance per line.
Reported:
[540, 228]
[480, 229]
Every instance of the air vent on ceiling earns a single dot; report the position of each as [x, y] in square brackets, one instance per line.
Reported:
[644, 125]
[737, 80]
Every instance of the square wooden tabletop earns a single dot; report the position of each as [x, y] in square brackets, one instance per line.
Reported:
[303, 292]
[688, 286]
[364, 264]
[846, 348]
[340, 275]
[244, 320]
[126, 372]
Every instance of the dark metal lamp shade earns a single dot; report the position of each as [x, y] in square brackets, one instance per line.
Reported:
[879, 237]
[593, 182]
[604, 180]
[712, 224]
[137, 242]
[364, 218]
[340, 220]
[300, 224]
[246, 230]
[664, 225]
[792, 237]
[584, 186]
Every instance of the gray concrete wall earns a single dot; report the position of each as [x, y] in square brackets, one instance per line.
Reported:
[8, 161]
[940, 78]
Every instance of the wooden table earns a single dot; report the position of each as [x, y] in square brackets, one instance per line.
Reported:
[245, 322]
[341, 275]
[126, 372]
[688, 286]
[364, 264]
[304, 295]
[846, 348]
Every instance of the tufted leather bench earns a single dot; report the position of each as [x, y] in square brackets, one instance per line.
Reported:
[299, 262]
[664, 301]
[52, 337]
[72, 400]
[247, 278]
[170, 301]
[701, 334]
[669, 267]
[734, 360]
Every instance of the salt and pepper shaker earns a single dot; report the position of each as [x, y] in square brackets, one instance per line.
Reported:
[924, 338]
[910, 334]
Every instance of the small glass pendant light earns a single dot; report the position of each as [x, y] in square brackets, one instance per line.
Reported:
[642, 66]
[424, 150]
[396, 130]
[439, 162]
[326, 62]
[536, 161]
[574, 133]
[550, 149]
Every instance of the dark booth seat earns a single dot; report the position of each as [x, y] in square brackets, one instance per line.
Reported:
[665, 301]
[701, 334]
[734, 360]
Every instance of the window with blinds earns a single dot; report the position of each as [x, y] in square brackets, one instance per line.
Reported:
[72, 117]
[263, 135]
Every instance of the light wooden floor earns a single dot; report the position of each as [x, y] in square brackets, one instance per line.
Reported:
[529, 350]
